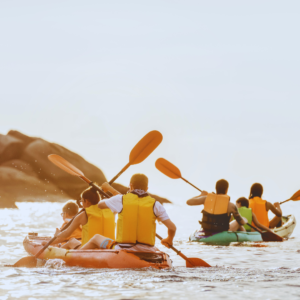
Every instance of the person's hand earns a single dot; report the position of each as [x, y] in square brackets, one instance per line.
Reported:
[204, 193]
[57, 232]
[277, 205]
[105, 187]
[167, 242]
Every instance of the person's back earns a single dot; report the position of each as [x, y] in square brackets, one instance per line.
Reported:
[137, 213]
[261, 207]
[243, 208]
[217, 209]
[215, 213]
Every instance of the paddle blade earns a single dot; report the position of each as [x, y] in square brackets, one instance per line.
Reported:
[194, 262]
[271, 237]
[296, 196]
[26, 262]
[167, 168]
[65, 165]
[145, 147]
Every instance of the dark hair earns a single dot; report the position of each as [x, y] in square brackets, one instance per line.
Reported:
[71, 208]
[91, 194]
[222, 186]
[139, 181]
[256, 190]
[244, 201]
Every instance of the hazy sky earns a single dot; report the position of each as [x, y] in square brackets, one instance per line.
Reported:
[219, 79]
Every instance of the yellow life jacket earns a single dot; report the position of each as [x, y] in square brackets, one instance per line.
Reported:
[259, 208]
[136, 221]
[215, 213]
[100, 221]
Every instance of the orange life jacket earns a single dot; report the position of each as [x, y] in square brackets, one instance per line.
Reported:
[215, 213]
[75, 234]
[260, 210]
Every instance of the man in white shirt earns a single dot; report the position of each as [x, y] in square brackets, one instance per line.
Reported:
[137, 213]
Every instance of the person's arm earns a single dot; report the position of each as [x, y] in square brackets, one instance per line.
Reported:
[257, 224]
[275, 209]
[81, 219]
[233, 209]
[102, 204]
[167, 242]
[107, 187]
[198, 200]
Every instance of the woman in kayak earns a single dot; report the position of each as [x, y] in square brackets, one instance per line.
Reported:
[243, 207]
[261, 207]
[137, 213]
[92, 219]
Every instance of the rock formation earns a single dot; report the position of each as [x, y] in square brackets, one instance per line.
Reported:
[26, 174]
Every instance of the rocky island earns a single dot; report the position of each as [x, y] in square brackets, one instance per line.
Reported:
[26, 174]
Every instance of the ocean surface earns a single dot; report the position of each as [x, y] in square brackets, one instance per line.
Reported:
[240, 271]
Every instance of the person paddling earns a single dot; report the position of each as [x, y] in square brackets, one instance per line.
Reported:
[69, 211]
[243, 207]
[261, 207]
[93, 220]
[137, 213]
[217, 210]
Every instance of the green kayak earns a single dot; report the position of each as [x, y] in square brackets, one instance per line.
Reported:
[225, 237]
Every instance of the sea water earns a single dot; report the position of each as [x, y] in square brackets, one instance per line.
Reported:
[240, 271]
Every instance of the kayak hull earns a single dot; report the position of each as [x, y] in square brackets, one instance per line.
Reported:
[225, 237]
[287, 228]
[106, 258]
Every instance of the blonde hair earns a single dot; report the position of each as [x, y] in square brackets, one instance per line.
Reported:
[139, 181]
[70, 208]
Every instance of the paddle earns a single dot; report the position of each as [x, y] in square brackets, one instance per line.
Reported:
[170, 170]
[66, 166]
[191, 262]
[267, 236]
[31, 261]
[142, 150]
[295, 197]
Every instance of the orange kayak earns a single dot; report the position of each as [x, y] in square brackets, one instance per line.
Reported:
[106, 258]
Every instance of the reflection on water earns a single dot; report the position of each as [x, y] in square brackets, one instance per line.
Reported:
[255, 271]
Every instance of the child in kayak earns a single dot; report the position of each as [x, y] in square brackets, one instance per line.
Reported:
[261, 207]
[243, 207]
[69, 211]
[92, 219]
[137, 213]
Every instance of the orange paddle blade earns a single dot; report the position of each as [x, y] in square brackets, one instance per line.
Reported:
[145, 147]
[26, 262]
[296, 196]
[167, 168]
[65, 165]
[193, 262]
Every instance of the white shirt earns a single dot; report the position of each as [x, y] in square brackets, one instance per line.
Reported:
[115, 204]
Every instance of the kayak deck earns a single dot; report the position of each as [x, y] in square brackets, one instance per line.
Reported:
[106, 258]
[225, 237]
[287, 227]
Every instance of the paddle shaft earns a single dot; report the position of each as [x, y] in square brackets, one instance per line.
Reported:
[176, 250]
[255, 228]
[191, 184]
[285, 201]
[122, 171]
